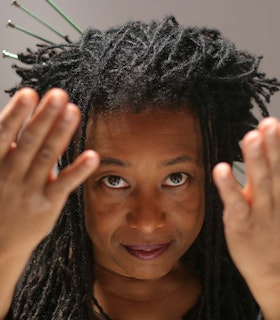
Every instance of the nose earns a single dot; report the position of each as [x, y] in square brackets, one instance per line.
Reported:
[146, 214]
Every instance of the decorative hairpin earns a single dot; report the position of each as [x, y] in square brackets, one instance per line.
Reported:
[7, 54]
[41, 21]
[12, 25]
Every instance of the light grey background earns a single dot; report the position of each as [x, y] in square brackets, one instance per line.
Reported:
[253, 25]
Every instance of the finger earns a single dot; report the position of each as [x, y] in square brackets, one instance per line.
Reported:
[258, 173]
[74, 175]
[270, 129]
[53, 146]
[236, 207]
[35, 132]
[13, 117]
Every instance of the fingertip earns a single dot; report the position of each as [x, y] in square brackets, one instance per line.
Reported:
[56, 97]
[267, 123]
[221, 171]
[252, 136]
[59, 92]
[26, 96]
[91, 157]
[74, 110]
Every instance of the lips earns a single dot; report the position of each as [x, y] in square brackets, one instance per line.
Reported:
[147, 251]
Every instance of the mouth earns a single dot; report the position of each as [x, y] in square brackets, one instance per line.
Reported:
[147, 251]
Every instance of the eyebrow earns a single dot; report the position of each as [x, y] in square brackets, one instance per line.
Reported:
[181, 159]
[114, 161]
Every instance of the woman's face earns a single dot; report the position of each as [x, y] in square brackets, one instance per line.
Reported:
[145, 202]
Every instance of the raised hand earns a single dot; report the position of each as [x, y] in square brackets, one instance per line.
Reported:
[31, 197]
[252, 215]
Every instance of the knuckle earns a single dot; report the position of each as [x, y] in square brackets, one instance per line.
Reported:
[62, 127]
[27, 141]
[45, 155]
[241, 208]
[264, 183]
[63, 187]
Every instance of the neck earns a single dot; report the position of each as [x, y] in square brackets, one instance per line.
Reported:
[176, 292]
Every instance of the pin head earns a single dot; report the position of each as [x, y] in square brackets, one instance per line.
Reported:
[10, 24]
[15, 3]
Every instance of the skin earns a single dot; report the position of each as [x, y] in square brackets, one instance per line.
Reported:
[144, 206]
[31, 199]
[252, 215]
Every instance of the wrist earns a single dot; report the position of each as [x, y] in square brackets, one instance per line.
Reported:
[267, 296]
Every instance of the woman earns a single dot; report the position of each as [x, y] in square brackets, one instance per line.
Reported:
[143, 237]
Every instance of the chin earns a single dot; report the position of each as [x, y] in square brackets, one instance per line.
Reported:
[148, 272]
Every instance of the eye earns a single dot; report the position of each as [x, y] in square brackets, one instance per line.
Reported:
[176, 179]
[114, 182]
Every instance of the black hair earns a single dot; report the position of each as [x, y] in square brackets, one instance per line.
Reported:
[164, 65]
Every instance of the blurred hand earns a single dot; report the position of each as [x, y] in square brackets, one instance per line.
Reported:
[31, 197]
[252, 215]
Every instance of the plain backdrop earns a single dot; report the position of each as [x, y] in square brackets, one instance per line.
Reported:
[253, 25]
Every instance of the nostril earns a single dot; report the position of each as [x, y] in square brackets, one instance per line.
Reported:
[146, 222]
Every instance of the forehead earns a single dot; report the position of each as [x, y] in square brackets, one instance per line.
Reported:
[161, 132]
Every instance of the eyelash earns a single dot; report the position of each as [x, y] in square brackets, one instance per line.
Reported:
[103, 181]
[186, 178]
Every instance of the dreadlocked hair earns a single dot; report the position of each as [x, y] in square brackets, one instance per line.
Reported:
[162, 65]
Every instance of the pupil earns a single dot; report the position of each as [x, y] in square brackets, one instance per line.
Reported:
[114, 180]
[176, 178]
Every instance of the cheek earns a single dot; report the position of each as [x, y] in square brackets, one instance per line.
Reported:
[187, 210]
[101, 218]
[105, 216]
[187, 217]
[188, 200]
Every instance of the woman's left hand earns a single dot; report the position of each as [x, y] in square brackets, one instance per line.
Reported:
[252, 215]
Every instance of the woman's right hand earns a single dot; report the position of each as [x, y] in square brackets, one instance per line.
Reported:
[31, 196]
